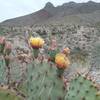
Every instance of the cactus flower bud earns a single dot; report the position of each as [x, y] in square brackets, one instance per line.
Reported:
[66, 51]
[8, 48]
[62, 61]
[2, 40]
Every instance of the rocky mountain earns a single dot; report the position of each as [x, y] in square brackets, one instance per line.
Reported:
[66, 13]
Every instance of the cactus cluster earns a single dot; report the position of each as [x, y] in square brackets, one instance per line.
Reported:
[82, 88]
[43, 81]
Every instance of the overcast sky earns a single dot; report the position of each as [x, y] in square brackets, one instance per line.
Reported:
[14, 8]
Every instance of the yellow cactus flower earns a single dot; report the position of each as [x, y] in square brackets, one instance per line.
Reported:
[36, 42]
[62, 61]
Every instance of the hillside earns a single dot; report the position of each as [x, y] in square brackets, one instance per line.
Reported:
[66, 13]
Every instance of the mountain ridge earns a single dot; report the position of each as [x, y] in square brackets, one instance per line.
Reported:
[53, 14]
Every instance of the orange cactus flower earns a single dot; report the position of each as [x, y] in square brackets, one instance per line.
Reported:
[66, 50]
[36, 42]
[62, 61]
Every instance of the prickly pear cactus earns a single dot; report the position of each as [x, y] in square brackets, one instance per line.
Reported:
[82, 89]
[43, 83]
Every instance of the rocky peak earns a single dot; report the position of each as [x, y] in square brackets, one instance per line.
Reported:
[49, 5]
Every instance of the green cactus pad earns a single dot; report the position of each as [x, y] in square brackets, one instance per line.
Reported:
[43, 83]
[82, 89]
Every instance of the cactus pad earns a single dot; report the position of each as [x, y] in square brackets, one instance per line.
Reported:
[82, 89]
[43, 83]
